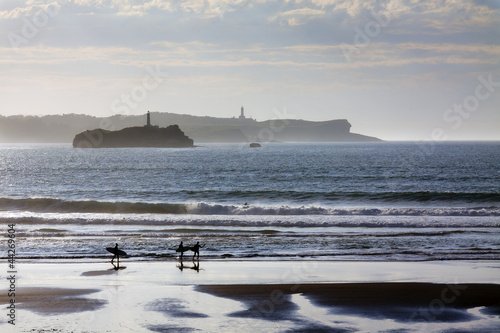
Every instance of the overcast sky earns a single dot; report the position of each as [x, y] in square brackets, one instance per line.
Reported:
[398, 70]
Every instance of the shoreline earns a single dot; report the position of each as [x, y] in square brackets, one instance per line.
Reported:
[212, 271]
[259, 295]
[169, 259]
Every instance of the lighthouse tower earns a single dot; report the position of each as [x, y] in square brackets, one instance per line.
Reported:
[242, 115]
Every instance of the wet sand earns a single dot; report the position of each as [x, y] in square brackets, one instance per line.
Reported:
[228, 296]
[397, 301]
[55, 300]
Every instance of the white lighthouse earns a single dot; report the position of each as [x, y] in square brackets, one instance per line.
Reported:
[242, 115]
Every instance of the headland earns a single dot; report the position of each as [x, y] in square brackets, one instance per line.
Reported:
[201, 129]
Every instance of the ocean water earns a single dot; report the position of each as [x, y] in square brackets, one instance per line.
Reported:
[321, 201]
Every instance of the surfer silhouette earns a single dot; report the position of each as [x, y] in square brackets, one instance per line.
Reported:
[196, 249]
[117, 253]
[180, 249]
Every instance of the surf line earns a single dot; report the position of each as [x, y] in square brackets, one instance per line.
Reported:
[11, 244]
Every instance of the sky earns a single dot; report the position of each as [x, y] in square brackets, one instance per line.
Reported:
[396, 69]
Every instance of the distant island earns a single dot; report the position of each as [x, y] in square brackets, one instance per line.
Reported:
[145, 136]
[240, 129]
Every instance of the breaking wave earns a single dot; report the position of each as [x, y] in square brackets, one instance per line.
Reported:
[49, 205]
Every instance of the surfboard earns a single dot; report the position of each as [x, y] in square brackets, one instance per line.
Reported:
[184, 249]
[113, 250]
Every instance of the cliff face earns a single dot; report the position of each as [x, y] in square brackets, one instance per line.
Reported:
[279, 130]
[288, 130]
[147, 136]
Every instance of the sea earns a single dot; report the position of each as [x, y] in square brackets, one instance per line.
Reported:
[383, 201]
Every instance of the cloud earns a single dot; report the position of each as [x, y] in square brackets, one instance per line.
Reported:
[30, 10]
[206, 8]
[304, 56]
[298, 16]
[278, 22]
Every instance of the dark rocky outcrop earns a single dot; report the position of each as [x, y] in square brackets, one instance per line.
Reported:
[145, 136]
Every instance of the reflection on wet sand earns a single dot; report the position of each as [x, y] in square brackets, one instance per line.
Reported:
[195, 265]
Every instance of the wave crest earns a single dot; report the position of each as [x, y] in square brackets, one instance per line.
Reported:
[49, 205]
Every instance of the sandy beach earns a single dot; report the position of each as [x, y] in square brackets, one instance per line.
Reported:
[229, 296]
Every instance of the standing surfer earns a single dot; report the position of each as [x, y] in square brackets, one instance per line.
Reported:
[180, 249]
[117, 256]
[196, 249]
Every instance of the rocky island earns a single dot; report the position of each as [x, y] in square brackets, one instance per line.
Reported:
[140, 136]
